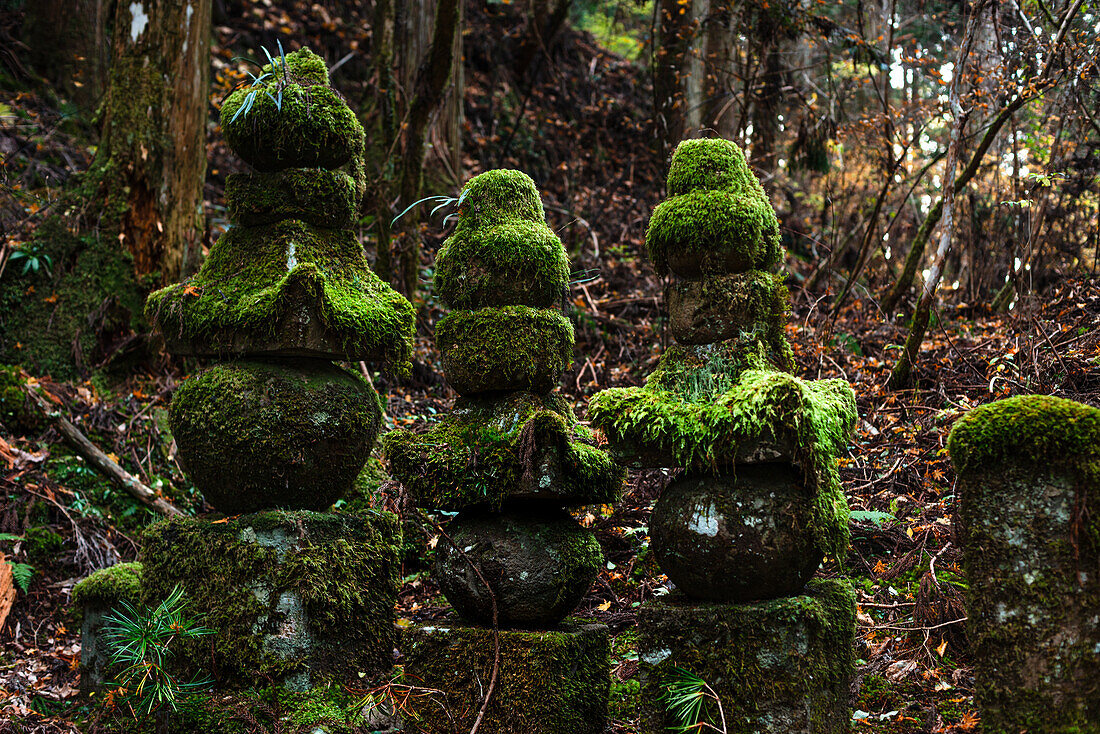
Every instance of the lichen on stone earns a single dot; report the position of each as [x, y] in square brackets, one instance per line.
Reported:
[549, 682]
[486, 450]
[505, 348]
[777, 665]
[288, 593]
[502, 252]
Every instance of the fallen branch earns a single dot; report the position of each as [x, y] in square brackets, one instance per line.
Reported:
[99, 460]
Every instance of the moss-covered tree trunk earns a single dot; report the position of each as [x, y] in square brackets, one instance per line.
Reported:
[135, 218]
[151, 161]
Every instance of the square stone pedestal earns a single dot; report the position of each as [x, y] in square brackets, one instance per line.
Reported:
[549, 682]
[778, 666]
[296, 598]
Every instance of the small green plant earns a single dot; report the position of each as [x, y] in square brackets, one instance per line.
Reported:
[32, 257]
[444, 201]
[259, 83]
[690, 701]
[141, 646]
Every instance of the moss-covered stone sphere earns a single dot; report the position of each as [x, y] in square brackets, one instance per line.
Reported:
[538, 561]
[500, 195]
[259, 435]
[505, 349]
[718, 308]
[314, 195]
[737, 538]
[292, 120]
[717, 218]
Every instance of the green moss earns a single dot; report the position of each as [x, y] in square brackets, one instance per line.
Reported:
[706, 417]
[110, 586]
[782, 664]
[302, 67]
[1039, 429]
[56, 321]
[42, 543]
[241, 575]
[254, 435]
[487, 450]
[505, 348]
[712, 164]
[499, 196]
[519, 262]
[309, 125]
[739, 306]
[256, 281]
[17, 415]
[725, 232]
[717, 217]
[314, 195]
[552, 682]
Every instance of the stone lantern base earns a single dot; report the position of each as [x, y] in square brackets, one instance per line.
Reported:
[297, 598]
[778, 666]
[549, 682]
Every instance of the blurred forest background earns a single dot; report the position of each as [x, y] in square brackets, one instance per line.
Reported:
[935, 165]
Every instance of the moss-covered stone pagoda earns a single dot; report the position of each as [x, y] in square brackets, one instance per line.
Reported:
[759, 503]
[298, 596]
[508, 459]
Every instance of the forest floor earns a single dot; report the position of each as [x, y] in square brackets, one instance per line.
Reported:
[575, 126]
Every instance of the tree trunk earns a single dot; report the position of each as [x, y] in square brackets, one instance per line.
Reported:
[431, 82]
[675, 30]
[152, 156]
[899, 376]
[68, 44]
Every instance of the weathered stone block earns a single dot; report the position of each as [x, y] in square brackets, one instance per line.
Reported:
[739, 536]
[550, 682]
[260, 435]
[96, 597]
[1029, 524]
[721, 307]
[315, 195]
[778, 666]
[538, 561]
[505, 349]
[301, 597]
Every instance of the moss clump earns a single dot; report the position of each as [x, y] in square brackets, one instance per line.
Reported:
[707, 417]
[485, 450]
[1039, 429]
[506, 348]
[500, 196]
[250, 293]
[110, 586]
[310, 127]
[553, 682]
[1029, 526]
[16, 413]
[723, 307]
[717, 218]
[778, 665]
[314, 195]
[515, 263]
[254, 435]
[501, 253]
[291, 594]
[59, 322]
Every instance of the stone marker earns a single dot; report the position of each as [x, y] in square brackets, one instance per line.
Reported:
[298, 597]
[759, 504]
[1029, 524]
[508, 458]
